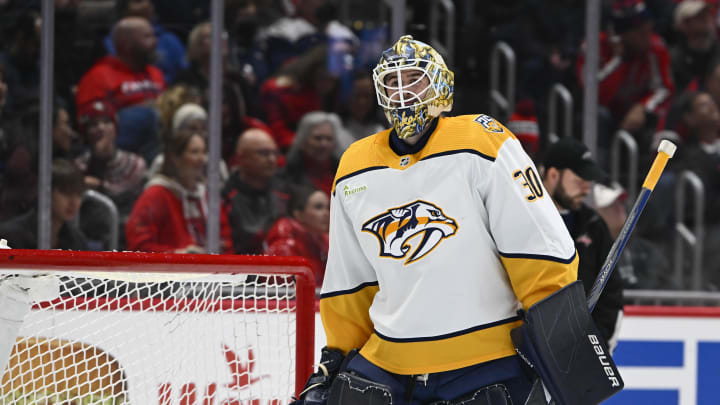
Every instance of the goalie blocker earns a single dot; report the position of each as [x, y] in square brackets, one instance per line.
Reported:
[563, 345]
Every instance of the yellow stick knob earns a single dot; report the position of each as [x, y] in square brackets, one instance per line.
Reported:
[666, 150]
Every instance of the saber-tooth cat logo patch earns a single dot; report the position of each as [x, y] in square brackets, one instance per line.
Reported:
[420, 221]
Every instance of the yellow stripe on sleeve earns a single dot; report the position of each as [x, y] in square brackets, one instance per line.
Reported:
[534, 278]
[346, 319]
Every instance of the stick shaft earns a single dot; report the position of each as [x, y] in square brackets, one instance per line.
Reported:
[618, 246]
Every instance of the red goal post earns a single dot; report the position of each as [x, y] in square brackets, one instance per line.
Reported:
[249, 297]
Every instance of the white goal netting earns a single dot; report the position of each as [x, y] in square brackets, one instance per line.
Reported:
[134, 338]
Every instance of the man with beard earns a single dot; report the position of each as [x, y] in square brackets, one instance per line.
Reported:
[170, 50]
[697, 49]
[127, 78]
[129, 83]
[569, 173]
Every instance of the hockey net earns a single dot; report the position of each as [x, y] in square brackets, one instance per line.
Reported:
[134, 328]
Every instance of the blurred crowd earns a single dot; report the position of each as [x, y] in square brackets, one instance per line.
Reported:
[130, 121]
[658, 78]
[131, 99]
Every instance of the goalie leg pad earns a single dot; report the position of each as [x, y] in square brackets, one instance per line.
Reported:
[561, 342]
[496, 394]
[351, 389]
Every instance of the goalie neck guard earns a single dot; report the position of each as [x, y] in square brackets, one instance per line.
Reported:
[413, 85]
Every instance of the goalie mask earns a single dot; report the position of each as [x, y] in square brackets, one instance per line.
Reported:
[413, 85]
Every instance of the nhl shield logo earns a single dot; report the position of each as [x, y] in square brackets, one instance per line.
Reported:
[395, 228]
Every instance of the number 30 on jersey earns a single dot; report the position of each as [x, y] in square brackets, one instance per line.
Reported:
[530, 180]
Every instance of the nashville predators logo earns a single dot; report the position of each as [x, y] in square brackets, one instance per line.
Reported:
[397, 226]
[489, 123]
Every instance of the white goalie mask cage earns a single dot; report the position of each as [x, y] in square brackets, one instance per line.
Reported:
[400, 94]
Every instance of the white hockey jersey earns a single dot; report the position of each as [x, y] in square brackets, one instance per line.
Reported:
[432, 253]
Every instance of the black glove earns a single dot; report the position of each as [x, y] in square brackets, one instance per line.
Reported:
[318, 385]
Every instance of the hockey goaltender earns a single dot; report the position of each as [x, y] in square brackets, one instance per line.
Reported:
[451, 246]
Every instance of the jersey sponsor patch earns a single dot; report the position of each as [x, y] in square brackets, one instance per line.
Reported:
[489, 123]
[349, 190]
[395, 228]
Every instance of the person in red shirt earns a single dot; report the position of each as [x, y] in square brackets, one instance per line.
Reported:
[305, 232]
[300, 87]
[635, 81]
[128, 78]
[170, 215]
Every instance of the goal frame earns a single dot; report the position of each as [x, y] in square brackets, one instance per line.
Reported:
[75, 261]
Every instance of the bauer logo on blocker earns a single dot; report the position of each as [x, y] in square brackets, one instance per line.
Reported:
[395, 228]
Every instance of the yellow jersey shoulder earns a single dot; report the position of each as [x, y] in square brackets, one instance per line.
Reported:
[361, 155]
[480, 133]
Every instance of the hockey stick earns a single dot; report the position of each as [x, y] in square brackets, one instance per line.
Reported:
[666, 150]
[539, 394]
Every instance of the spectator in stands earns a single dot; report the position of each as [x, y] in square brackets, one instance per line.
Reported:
[313, 157]
[313, 22]
[697, 48]
[198, 56]
[170, 100]
[20, 155]
[642, 264]
[198, 73]
[67, 191]
[305, 232]
[362, 116]
[710, 83]
[170, 50]
[193, 118]
[635, 82]
[129, 78]
[701, 151]
[238, 109]
[130, 83]
[114, 172]
[243, 21]
[300, 87]
[252, 197]
[21, 62]
[65, 140]
[170, 215]
[569, 172]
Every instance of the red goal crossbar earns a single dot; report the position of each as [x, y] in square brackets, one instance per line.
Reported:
[55, 260]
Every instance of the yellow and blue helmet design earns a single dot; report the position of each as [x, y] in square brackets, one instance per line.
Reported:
[426, 93]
